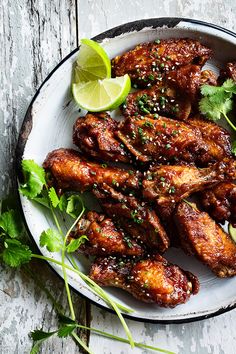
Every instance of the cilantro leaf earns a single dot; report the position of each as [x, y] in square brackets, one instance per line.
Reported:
[234, 147]
[34, 179]
[218, 101]
[64, 319]
[76, 243]
[74, 206]
[63, 203]
[15, 253]
[39, 334]
[11, 223]
[51, 239]
[209, 109]
[53, 197]
[39, 337]
[65, 330]
[208, 90]
[229, 86]
[43, 199]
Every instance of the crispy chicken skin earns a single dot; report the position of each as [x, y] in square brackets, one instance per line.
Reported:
[202, 237]
[220, 202]
[103, 237]
[217, 138]
[164, 140]
[135, 217]
[158, 100]
[148, 63]
[94, 135]
[168, 185]
[152, 279]
[173, 98]
[70, 171]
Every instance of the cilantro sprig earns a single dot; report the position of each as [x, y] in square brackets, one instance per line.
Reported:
[217, 103]
[15, 253]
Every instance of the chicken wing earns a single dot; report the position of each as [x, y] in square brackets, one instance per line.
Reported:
[168, 185]
[202, 237]
[164, 140]
[103, 237]
[217, 138]
[159, 100]
[94, 134]
[173, 98]
[220, 202]
[152, 279]
[148, 63]
[135, 217]
[70, 171]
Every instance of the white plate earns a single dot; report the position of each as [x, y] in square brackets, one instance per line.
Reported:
[48, 125]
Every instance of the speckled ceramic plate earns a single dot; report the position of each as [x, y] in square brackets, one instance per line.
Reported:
[48, 125]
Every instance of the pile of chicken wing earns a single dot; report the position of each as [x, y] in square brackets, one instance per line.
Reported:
[169, 152]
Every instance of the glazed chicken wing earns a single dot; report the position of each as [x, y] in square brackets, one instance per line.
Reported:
[135, 217]
[164, 140]
[152, 279]
[167, 185]
[70, 171]
[220, 202]
[158, 100]
[173, 98]
[103, 237]
[202, 237]
[148, 63]
[94, 134]
[217, 138]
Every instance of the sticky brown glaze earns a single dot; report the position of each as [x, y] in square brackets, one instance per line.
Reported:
[202, 237]
[164, 140]
[217, 138]
[148, 63]
[220, 202]
[158, 100]
[152, 279]
[168, 185]
[94, 135]
[103, 237]
[229, 72]
[135, 217]
[70, 171]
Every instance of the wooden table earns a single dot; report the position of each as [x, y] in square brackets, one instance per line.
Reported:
[34, 36]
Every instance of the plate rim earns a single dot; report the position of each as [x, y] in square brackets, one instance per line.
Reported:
[26, 128]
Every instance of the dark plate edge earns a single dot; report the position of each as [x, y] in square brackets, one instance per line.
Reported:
[27, 126]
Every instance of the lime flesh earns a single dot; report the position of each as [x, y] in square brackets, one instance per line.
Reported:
[102, 95]
[92, 63]
[232, 232]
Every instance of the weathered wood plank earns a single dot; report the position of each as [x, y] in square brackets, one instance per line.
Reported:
[216, 335]
[34, 36]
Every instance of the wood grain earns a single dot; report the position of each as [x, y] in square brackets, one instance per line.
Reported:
[34, 37]
[216, 335]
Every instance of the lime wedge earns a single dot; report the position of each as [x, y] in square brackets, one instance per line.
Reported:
[102, 95]
[232, 232]
[92, 62]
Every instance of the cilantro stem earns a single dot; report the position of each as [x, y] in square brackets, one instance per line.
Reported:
[120, 339]
[79, 340]
[98, 291]
[229, 122]
[86, 278]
